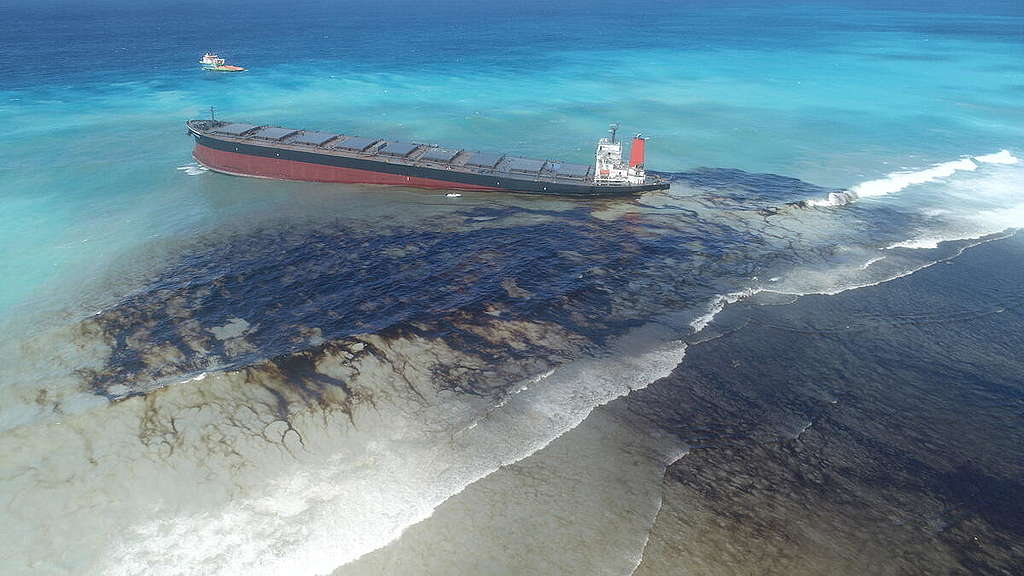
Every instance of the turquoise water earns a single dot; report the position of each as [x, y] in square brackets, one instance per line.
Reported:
[205, 374]
[833, 94]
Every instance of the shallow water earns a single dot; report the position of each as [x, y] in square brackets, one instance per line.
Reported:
[841, 434]
[219, 375]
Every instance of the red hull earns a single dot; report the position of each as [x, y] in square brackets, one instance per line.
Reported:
[276, 168]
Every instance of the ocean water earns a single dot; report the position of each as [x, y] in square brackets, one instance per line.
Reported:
[205, 374]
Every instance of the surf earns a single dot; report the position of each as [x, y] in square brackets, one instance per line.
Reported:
[898, 181]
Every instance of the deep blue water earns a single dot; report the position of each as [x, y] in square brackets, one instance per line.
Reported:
[834, 94]
[831, 93]
[220, 375]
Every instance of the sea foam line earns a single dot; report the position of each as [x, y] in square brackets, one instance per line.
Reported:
[897, 181]
[915, 270]
[718, 303]
[657, 512]
[874, 260]
[657, 363]
[318, 523]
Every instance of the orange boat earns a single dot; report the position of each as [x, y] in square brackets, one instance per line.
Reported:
[226, 68]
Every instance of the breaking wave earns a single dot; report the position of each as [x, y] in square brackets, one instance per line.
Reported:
[897, 181]
[972, 208]
[1001, 157]
[718, 303]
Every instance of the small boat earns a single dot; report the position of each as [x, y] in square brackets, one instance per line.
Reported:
[214, 63]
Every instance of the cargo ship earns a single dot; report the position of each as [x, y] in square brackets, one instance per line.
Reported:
[261, 151]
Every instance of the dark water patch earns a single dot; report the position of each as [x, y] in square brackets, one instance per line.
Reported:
[887, 447]
[279, 295]
[749, 190]
[273, 400]
[282, 286]
[994, 499]
[238, 298]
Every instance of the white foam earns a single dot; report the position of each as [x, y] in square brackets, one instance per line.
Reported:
[897, 181]
[932, 242]
[854, 285]
[193, 169]
[718, 303]
[1002, 218]
[921, 243]
[972, 208]
[582, 475]
[984, 204]
[833, 199]
[389, 473]
[868, 264]
[1001, 157]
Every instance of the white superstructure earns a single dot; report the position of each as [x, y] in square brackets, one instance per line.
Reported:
[611, 169]
[211, 59]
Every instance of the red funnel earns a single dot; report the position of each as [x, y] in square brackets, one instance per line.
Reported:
[636, 152]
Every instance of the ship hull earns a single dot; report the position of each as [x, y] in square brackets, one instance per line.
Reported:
[238, 164]
[285, 163]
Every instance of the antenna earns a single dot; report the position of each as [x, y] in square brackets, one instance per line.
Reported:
[613, 128]
[212, 118]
